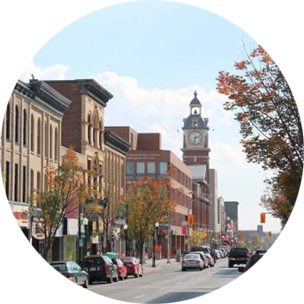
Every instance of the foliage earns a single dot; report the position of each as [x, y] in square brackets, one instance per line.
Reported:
[66, 190]
[269, 124]
[197, 237]
[147, 201]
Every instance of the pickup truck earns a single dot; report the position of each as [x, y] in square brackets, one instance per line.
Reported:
[238, 256]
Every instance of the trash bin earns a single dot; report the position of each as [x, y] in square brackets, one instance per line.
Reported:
[178, 255]
[18, 257]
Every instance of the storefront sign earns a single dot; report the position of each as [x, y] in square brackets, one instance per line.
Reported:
[37, 229]
[21, 214]
[13, 233]
[72, 226]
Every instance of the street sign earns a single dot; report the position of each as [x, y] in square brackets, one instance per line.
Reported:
[13, 233]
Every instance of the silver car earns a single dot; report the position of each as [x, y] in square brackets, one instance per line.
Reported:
[192, 261]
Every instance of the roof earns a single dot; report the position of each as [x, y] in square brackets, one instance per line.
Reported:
[201, 123]
[195, 101]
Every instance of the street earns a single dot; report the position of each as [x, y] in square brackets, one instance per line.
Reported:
[167, 283]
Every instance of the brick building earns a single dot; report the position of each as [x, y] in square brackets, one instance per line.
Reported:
[146, 158]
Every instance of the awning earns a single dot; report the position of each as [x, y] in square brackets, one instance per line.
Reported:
[20, 211]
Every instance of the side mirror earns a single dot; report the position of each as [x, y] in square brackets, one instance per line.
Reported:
[241, 268]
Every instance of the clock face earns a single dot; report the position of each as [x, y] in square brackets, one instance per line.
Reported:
[195, 137]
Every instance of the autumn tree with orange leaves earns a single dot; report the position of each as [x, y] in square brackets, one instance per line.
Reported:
[147, 201]
[269, 124]
[66, 189]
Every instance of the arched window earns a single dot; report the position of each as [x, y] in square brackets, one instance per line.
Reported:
[32, 133]
[8, 122]
[24, 127]
[89, 129]
[17, 124]
[46, 135]
[51, 142]
[56, 144]
[38, 136]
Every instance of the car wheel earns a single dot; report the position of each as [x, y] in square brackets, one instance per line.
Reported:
[183, 269]
[6, 294]
[42, 291]
[110, 280]
[126, 277]
[142, 273]
[58, 287]
[121, 278]
[86, 283]
[74, 286]
[231, 265]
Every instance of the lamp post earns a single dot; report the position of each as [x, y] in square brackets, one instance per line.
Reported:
[3, 211]
[156, 225]
[126, 237]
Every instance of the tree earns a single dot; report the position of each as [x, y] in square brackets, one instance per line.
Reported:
[66, 190]
[269, 124]
[147, 201]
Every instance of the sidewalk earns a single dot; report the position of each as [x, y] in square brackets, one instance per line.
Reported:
[159, 265]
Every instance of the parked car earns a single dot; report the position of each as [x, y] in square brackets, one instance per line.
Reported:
[219, 254]
[73, 272]
[223, 250]
[272, 277]
[210, 259]
[30, 278]
[192, 261]
[100, 268]
[122, 269]
[203, 257]
[238, 255]
[133, 266]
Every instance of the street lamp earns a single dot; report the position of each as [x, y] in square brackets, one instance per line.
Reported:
[3, 211]
[126, 237]
[156, 225]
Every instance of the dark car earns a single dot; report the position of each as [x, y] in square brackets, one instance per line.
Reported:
[30, 278]
[73, 272]
[133, 266]
[100, 268]
[238, 255]
[272, 277]
[122, 269]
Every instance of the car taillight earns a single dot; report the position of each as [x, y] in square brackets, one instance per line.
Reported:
[68, 275]
[209, 258]
[245, 281]
[248, 254]
[6, 280]
[197, 261]
[29, 279]
[106, 269]
[302, 284]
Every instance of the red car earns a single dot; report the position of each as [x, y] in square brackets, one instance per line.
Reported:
[133, 267]
[121, 268]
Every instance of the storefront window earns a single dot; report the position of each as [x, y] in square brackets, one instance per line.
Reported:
[130, 168]
[140, 168]
[151, 167]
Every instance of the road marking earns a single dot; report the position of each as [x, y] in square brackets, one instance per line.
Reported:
[162, 289]
[139, 296]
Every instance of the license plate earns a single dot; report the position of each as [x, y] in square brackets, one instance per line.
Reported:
[273, 289]
[93, 269]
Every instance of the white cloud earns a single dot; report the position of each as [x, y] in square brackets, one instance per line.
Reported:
[56, 71]
[233, 2]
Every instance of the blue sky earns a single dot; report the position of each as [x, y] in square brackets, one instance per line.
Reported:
[152, 55]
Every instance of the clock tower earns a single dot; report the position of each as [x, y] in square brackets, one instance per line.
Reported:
[196, 146]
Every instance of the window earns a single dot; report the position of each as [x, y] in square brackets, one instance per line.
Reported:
[140, 168]
[16, 184]
[7, 179]
[51, 142]
[56, 144]
[130, 168]
[151, 168]
[8, 122]
[32, 133]
[100, 134]
[24, 127]
[46, 134]
[38, 136]
[38, 181]
[89, 128]
[17, 125]
[24, 184]
[163, 168]
[32, 181]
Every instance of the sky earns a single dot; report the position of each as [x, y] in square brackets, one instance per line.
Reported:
[152, 56]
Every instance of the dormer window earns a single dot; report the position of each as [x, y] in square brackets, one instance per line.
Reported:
[194, 123]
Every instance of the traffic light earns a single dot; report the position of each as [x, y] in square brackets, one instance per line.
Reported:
[263, 218]
[191, 220]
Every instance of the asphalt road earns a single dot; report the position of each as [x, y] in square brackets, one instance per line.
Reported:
[168, 284]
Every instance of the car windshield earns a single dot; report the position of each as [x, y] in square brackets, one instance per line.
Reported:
[239, 250]
[260, 266]
[60, 267]
[24, 269]
[93, 262]
[191, 256]
[128, 260]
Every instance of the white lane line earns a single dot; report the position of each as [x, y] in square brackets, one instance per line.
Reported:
[139, 296]
[162, 289]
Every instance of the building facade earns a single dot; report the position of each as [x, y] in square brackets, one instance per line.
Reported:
[214, 209]
[30, 140]
[231, 209]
